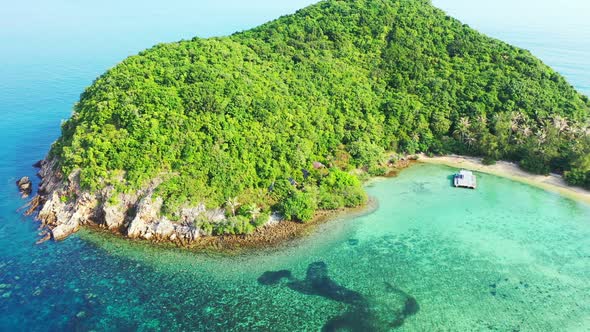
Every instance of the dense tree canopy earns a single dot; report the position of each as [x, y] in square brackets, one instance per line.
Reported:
[339, 82]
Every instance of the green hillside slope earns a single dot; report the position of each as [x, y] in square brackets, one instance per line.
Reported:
[339, 82]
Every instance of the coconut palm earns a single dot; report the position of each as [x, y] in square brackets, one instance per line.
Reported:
[463, 128]
[471, 140]
[541, 136]
[254, 211]
[560, 123]
[232, 203]
[515, 118]
[526, 131]
[577, 129]
[482, 119]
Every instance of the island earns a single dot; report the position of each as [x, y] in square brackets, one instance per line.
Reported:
[228, 135]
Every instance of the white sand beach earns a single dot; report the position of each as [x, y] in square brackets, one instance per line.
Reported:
[553, 182]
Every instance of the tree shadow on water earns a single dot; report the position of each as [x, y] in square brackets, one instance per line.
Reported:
[383, 311]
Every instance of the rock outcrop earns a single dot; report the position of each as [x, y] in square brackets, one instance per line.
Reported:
[147, 211]
[25, 186]
[63, 207]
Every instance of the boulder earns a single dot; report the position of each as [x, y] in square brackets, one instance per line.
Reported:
[63, 230]
[64, 217]
[25, 186]
[164, 228]
[147, 212]
[318, 165]
[114, 216]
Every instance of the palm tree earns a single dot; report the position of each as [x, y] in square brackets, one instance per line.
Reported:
[518, 115]
[254, 211]
[463, 128]
[470, 140]
[233, 204]
[515, 118]
[526, 131]
[541, 136]
[560, 123]
[483, 120]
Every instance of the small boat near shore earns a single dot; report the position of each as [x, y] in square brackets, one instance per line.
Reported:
[465, 179]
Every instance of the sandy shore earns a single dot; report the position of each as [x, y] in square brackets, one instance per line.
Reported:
[553, 182]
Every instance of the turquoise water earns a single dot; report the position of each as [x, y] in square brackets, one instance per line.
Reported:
[504, 257]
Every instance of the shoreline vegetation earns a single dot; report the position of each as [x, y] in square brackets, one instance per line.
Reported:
[223, 136]
[285, 232]
[273, 234]
[553, 182]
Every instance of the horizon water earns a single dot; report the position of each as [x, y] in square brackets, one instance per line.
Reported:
[505, 257]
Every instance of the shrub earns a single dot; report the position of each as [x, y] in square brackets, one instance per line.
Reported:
[341, 189]
[376, 170]
[242, 225]
[354, 196]
[579, 175]
[204, 225]
[300, 206]
[365, 153]
[535, 164]
[244, 211]
[234, 225]
[339, 179]
[113, 199]
[329, 201]
[487, 160]
[282, 189]
[261, 220]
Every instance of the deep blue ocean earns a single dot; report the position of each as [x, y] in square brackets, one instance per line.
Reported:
[51, 51]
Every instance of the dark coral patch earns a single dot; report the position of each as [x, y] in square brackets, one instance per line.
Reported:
[273, 277]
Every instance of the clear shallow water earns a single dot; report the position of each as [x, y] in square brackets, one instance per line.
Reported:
[444, 248]
[504, 257]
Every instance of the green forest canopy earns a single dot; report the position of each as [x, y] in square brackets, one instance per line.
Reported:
[338, 82]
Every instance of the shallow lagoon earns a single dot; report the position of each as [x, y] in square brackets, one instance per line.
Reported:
[504, 257]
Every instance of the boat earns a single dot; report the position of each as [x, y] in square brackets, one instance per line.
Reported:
[465, 179]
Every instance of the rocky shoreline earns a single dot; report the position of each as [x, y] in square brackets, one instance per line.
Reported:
[267, 237]
[62, 208]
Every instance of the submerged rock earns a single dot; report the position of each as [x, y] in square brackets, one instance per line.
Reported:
[45, 237]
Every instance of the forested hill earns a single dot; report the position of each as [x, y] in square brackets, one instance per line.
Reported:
[339, 82]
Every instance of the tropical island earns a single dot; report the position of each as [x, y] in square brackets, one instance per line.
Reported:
[227, 135]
